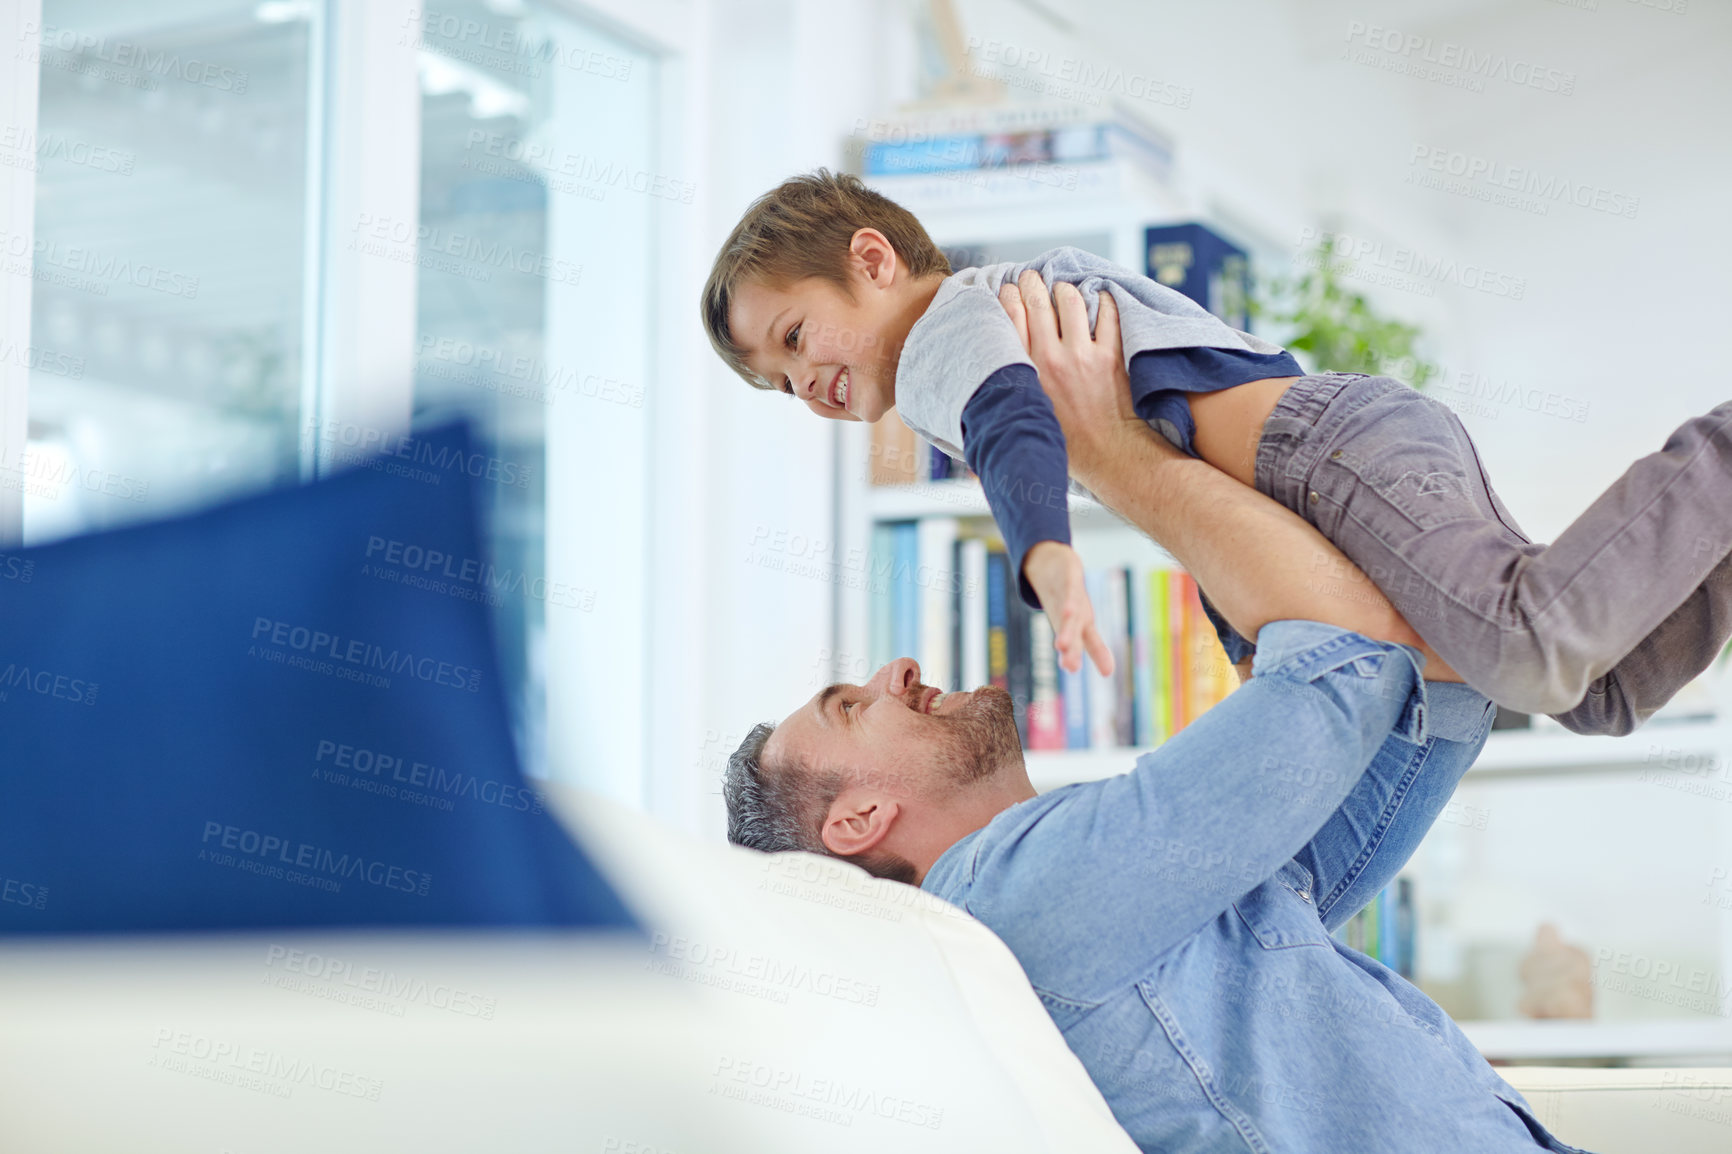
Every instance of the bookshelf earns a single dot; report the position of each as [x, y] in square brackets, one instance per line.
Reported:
[965, 499]
[1691, 1041]
[1508, 754]
[1107, 206]
[1104, 185]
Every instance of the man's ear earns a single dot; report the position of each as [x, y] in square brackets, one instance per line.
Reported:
[858, 820]
[873, 257]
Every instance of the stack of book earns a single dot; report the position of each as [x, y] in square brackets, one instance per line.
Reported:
[1041, 143]
[1384, 929]
[943, 593]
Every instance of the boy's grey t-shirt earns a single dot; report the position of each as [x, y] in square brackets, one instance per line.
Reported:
[964, 336]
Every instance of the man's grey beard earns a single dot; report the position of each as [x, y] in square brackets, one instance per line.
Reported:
[980, 738]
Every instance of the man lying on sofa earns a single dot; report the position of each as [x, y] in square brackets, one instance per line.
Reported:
[1175, 920]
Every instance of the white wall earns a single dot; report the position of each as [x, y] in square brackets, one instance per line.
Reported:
[788, 80]
[1278, 133]
[1282, 132]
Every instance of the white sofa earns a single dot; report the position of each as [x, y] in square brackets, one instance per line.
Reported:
[786, 1004]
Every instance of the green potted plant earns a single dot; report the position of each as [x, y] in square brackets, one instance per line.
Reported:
[1336, 327]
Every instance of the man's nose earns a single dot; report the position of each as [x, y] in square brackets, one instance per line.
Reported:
[897, 678]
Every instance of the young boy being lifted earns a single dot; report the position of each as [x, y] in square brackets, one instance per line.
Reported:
[836, 295]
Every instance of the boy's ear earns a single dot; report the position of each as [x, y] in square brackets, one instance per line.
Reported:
[873, 257]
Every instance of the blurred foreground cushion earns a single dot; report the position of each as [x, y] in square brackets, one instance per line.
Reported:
[778, 1004]
[283, 711]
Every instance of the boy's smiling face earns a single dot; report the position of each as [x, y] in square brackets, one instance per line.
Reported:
[834, 348]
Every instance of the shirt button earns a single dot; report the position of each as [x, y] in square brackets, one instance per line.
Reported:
[1314, 496]
[1336, 455]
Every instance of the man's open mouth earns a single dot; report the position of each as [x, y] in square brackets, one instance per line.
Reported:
[839, 390]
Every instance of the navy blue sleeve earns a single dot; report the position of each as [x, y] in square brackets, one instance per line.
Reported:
[1236, 646]
[1012, 439]
[1161, 378]
[1160, 381]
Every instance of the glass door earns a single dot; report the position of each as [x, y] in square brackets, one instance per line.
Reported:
[538, 197]
[170, 165]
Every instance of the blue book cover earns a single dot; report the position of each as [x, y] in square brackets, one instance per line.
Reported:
[1388, 926]
[905, 594]
[997, 619]
[1143, 694]
[878, 573]
[1405, 929]
[1073, 689]
[947, 153]
[1103, 695]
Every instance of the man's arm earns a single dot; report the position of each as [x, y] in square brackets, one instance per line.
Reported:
[1259, 561]
[1090, 884]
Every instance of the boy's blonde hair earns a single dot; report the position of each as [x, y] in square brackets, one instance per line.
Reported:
[802, 228]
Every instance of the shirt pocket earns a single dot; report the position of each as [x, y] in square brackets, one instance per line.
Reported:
[1065, 1012]
[1282, 912]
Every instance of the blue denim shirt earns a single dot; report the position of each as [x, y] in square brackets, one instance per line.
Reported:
[1176, 920]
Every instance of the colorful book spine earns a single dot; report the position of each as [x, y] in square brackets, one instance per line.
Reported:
[1142, 675]
[905, 594]
[1388, 929]
[1194, 668]
[1118, 639]
[1177, 692]
[1160, 647]
[880, 567]
[1102, 693]
[1406, 929]
[935, 548]
[958, 612]
[943, 593]
[1384, 928]
[974, 645]
[997, 652]
[1046, 729]
[1211, 674]
[1019, 672]
[1073, 692]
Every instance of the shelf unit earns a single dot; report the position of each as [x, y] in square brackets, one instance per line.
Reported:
[1695, 1039]
[1115, 199]
[1508, 753]
[964, 498]
[1117, 203]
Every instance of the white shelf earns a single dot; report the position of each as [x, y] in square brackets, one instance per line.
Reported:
[1049, 770]
[1689, 745]
[1657, 745]
[964, 498]
[1674, 1038]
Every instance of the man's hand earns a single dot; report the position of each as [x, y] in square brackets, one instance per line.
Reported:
[1248, 551]
[1083, 375]
[1056, 572]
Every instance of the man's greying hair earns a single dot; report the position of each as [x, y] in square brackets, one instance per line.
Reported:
[802, 228]
[775, 810]
[779, 809]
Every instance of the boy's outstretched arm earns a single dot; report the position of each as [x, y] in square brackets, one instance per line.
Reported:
[1259, 561]
[1013, 440]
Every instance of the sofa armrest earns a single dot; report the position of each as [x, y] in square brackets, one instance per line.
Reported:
[1631, 1111]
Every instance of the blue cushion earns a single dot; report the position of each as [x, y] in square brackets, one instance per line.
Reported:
[283, 711]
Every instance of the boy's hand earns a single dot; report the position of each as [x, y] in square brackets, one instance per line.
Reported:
[1056, 572]
[1083, 375]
